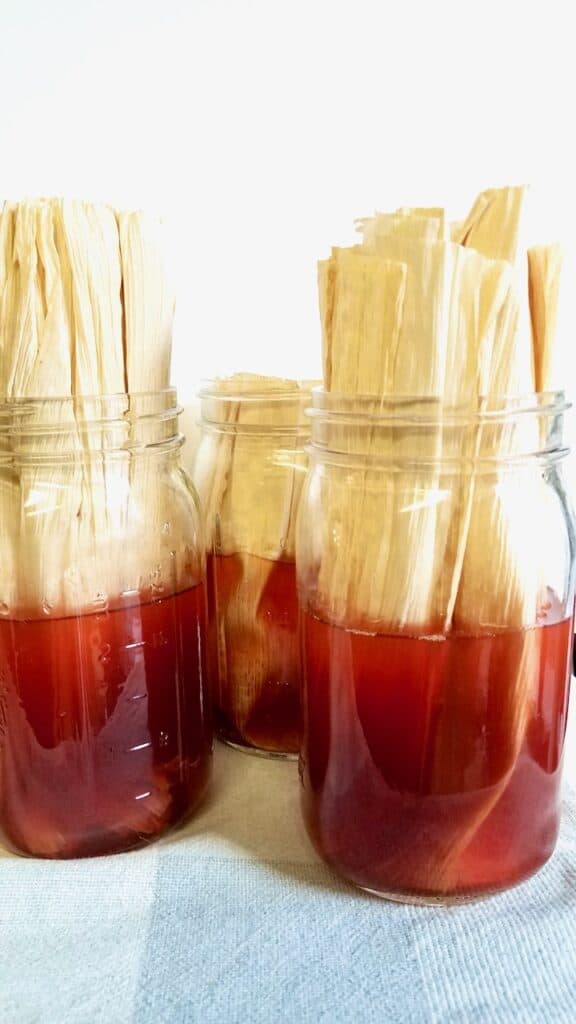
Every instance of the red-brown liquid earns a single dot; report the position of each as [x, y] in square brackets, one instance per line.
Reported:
[104, 738]
[254, 666]
[413, 784]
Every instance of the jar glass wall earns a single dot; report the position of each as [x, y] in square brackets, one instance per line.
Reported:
[435, 559]
[104, 739]
[249, 471]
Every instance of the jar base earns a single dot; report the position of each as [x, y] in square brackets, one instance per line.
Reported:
[270, 755]
[453, 899]
[429, 901]
[111, 842]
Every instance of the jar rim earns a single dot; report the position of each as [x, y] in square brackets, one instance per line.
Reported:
[252, 391]
[69, 428]
[359, 409]
[448, 465]
[228, 404]
[408, 429]
[24, 401]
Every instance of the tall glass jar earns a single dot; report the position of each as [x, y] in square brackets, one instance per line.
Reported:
[435, 557]
[249, 471]
[104, 737]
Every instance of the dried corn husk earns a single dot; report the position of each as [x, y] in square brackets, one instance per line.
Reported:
[246, 488]
[425, 224]
[361, 296]
[493, 226]
[67, 331]
[401, 596]
[402, 317]
[500, 583]
[544, 274]
[148, 304]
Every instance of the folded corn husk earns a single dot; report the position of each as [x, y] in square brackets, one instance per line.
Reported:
[405, 315]
[84, 310]
[438, 556]
[360, 295]
[499, 583]
[544, 276]
[249, 490]
[456, 335]
[249, 482]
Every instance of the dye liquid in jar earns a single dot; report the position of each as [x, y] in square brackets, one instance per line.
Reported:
[104, 737]
[253, 652]
[423, 778]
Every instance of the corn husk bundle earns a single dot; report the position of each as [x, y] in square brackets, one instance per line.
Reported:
[84, 311]
[248, 472]
[437, 311]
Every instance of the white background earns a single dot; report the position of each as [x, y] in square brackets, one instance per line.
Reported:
[261, 129]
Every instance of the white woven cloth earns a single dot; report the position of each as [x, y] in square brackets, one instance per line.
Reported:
[236, 920]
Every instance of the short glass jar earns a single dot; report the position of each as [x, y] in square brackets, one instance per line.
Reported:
[435, 557]
[249, 470]
[104, 737]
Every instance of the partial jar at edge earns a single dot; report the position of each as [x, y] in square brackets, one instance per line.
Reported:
[249, 470]
[435, 557]
[105, 739]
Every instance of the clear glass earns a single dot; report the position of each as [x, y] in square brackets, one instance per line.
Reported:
[105, 741]
[435, 557]
[249, 471]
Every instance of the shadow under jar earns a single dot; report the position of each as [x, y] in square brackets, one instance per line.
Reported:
[435, 556]
[249, 471]
[104, 737]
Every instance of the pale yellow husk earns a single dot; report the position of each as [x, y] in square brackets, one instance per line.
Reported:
[84, 310]
[402, 317]
[544, 275]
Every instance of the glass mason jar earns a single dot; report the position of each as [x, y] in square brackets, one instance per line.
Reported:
[104, 738]
[249, 470]
[435, 555]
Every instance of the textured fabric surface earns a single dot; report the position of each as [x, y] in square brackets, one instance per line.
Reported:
[236, 920]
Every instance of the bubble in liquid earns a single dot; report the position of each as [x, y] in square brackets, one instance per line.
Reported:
[4, 609]
[159, 640]
[100, 602]
[104, 656]
[47, 607]
[156, 583]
